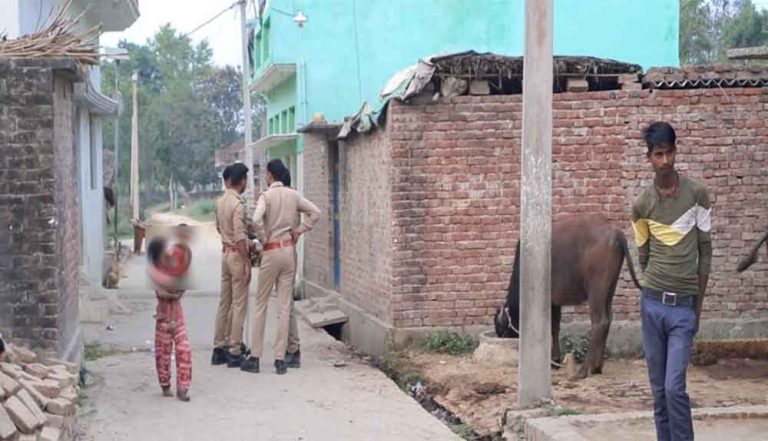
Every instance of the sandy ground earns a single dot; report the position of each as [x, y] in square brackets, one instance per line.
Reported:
[319, 401]
[479, 394]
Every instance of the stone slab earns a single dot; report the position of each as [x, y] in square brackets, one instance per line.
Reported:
[60, 406]
[48, 388]
[7, 427]
[55, 421]
[12, 370]
[24, 355]
[55, 363]
[20, 414]
[8, 384]
[30, 402]
[31, 388]
[50, 434]
[37, 369]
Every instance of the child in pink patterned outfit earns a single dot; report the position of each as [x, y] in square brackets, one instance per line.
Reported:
[171, 331]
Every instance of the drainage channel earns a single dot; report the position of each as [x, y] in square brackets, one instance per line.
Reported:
[415, 388]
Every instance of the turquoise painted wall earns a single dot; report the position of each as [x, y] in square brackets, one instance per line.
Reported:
[348, 49]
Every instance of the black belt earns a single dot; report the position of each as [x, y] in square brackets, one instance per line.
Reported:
[669, 298]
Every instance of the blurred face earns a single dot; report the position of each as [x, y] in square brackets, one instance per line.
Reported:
[270, 178]
[662, 158]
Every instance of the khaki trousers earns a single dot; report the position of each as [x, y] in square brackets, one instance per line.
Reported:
[277, 268]
[293, 328]
[230, 316]
[293, 332]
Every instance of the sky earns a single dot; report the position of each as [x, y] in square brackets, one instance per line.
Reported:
[223, 34]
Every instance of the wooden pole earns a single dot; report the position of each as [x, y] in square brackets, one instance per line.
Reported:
[135, 148]
[534, 375]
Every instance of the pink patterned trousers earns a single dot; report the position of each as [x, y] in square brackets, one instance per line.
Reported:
[171, 331]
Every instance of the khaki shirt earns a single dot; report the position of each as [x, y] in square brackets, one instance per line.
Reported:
[277, 211]
[230, 218]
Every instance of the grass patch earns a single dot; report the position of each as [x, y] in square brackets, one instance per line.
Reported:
[94, 352]
[465, 431]
[448, 343]
[565, 411]
[201, 211]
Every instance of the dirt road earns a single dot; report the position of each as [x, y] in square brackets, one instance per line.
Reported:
[331, 397]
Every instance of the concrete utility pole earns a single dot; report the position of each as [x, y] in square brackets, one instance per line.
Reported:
[248, 157]
[135, 148]
[116, 185]
[535, 375]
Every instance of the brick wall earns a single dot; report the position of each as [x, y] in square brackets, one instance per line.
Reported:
[68, 214]
[318, 245]
[455, 193]
[366, 208]
[38, 212]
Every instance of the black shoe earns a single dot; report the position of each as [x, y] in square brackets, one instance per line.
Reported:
[235, 361]
[219, 357]
[250, 364]
[293, 360]
[280, 366]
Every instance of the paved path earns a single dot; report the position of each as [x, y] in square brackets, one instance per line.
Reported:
[316, 402]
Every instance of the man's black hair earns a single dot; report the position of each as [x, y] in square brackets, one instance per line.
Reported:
[237, 173]
[279, 171]
[2, 345]
[226, 173]
[659, 134]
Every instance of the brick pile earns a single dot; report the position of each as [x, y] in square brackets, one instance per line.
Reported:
[38, 398]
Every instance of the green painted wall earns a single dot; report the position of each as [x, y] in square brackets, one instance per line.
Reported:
[348, 49]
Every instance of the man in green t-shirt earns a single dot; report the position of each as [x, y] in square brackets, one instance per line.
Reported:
[672, 225]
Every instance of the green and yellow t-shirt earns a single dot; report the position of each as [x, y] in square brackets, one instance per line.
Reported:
[673, 237]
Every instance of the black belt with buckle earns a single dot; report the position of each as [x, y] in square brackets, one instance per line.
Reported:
[670, 298]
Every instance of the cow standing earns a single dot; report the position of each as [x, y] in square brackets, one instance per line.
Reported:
[587, 255]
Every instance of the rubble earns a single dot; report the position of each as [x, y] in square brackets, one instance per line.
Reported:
[38, 398]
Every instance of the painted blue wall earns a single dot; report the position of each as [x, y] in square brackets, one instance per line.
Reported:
[348, 49]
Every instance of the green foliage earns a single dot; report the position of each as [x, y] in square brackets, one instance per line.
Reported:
[449, 343]
[202, 210]
[465, 431]
[708, 28]
[94, 352]
[187, 108]
[565, 411]
[579, 345]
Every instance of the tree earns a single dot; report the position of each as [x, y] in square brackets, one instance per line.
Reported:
[708, 28]
[695, 27]
[187, 108]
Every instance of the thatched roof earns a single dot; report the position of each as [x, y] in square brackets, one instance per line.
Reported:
[58, 40]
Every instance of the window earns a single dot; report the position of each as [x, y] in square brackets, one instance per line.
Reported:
[284, 120]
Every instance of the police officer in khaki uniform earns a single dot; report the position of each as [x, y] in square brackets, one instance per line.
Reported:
[235, 270]
[274, 220]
